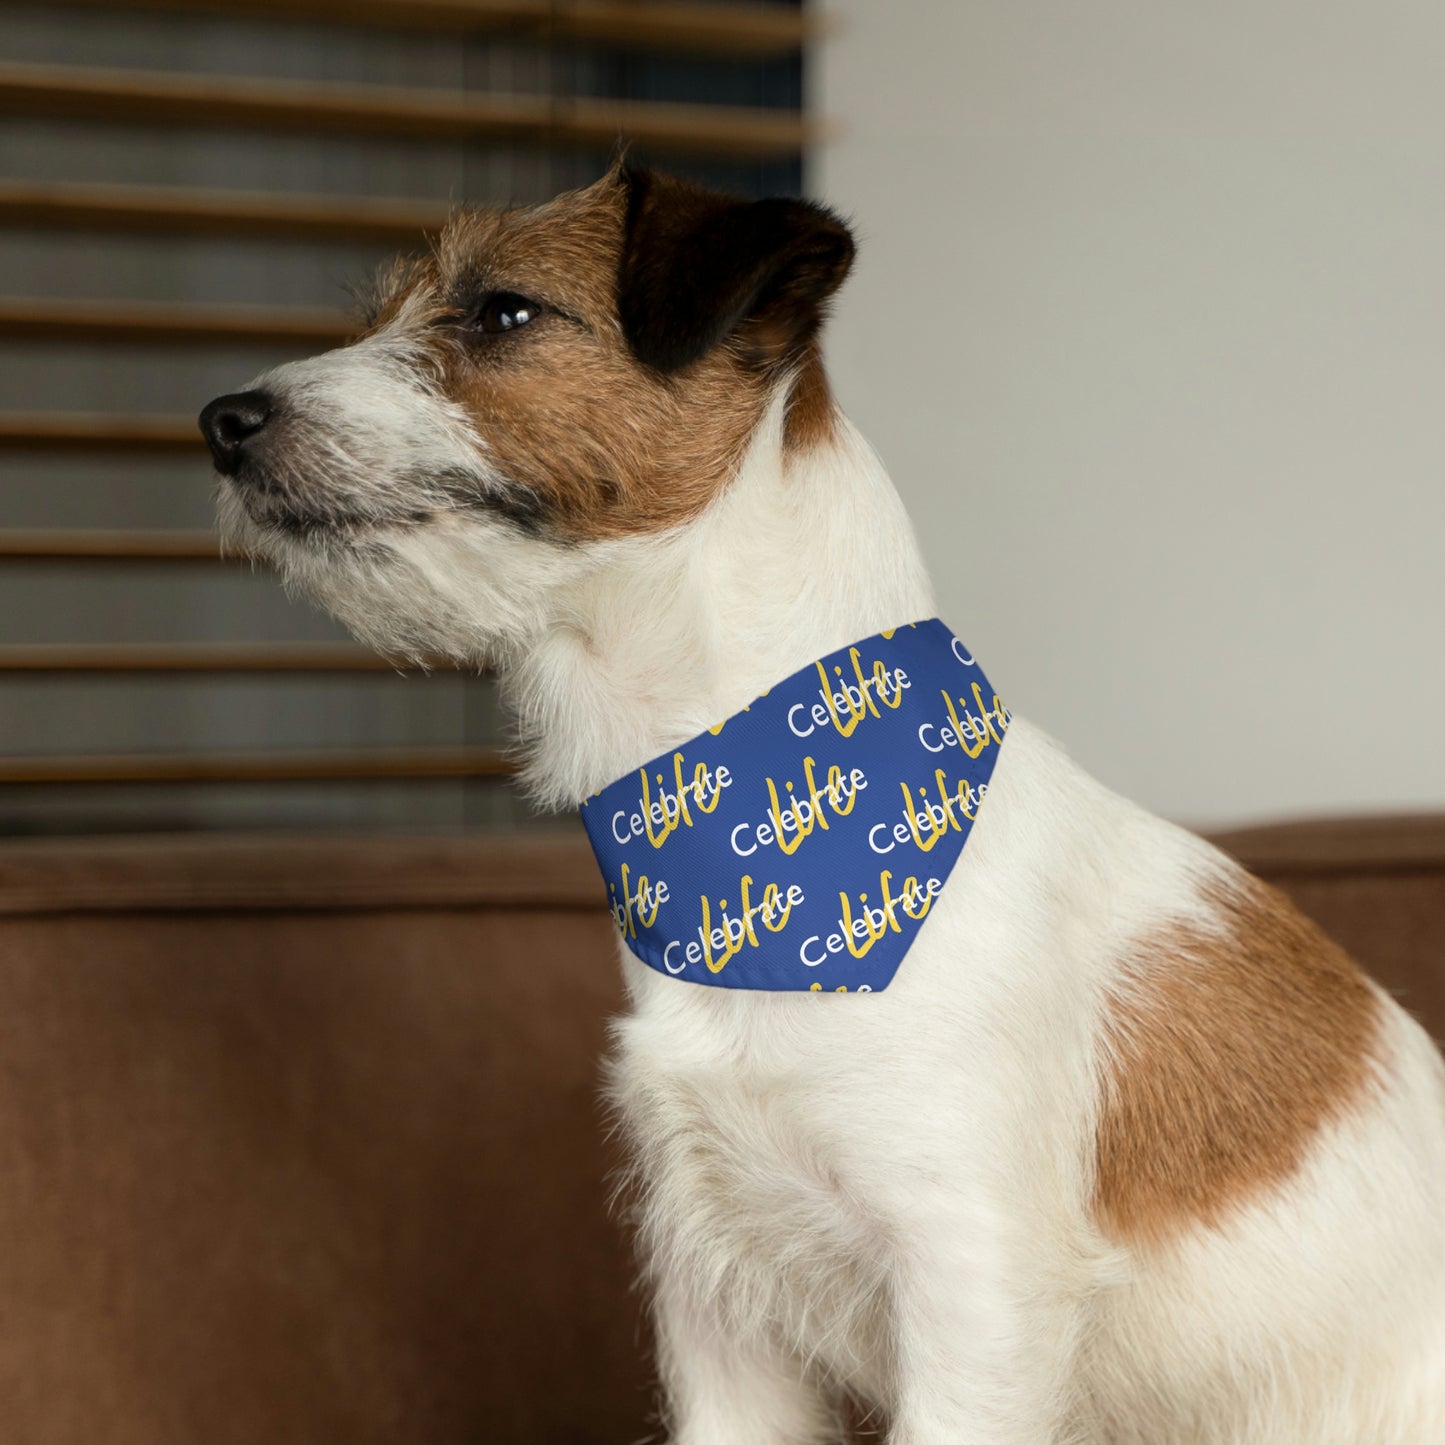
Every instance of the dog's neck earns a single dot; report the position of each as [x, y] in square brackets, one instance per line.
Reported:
[805, 552]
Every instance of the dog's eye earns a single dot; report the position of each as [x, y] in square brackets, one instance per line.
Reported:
[505, 311]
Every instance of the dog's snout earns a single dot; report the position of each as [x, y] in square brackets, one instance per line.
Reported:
[229, 422]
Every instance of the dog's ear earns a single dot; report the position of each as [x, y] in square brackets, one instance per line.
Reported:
[699, 267]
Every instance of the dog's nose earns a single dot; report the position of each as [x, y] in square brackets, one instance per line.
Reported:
[229, 422]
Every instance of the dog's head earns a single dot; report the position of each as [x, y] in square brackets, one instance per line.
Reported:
[546, 383]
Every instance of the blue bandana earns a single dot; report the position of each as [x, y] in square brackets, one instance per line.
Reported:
[800, 844]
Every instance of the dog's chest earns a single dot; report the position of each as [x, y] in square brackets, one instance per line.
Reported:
[749, 1185]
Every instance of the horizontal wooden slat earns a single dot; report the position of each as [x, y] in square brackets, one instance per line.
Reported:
[265, 767]
[215, 101]
[94, 431]
[173, 211]
[107, 546]
[704, 29]
[170, 324]
[178, 657]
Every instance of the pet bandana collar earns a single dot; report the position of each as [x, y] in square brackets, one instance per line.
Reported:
[800, 844]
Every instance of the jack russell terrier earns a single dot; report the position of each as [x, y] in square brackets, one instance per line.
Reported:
[955, 1085]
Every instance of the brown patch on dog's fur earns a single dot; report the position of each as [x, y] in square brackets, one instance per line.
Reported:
[812, 413]
[594, 441]
[597, 445]
[1229, 1051]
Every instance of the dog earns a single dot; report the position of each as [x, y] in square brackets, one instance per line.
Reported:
[1128, 1153]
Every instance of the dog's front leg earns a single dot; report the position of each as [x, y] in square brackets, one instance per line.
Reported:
[985, 1342]
[722, 1387]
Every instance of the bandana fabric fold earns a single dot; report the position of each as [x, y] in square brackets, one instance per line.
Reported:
[801, 844]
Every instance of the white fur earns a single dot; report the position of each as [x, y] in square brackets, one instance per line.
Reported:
[890, 1196]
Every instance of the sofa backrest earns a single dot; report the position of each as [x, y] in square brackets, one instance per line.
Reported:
[300, 1138]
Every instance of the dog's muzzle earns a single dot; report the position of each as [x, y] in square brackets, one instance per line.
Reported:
[231, 424]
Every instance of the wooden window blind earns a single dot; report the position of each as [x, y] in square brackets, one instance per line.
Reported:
[187, 190]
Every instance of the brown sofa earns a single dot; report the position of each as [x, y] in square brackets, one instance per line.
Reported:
[299, 1139]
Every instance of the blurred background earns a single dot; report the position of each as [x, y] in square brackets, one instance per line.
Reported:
[1149, 325]
[1146, 323]
[301, 1006]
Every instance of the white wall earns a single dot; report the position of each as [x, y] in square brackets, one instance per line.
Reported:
[1149, 324]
